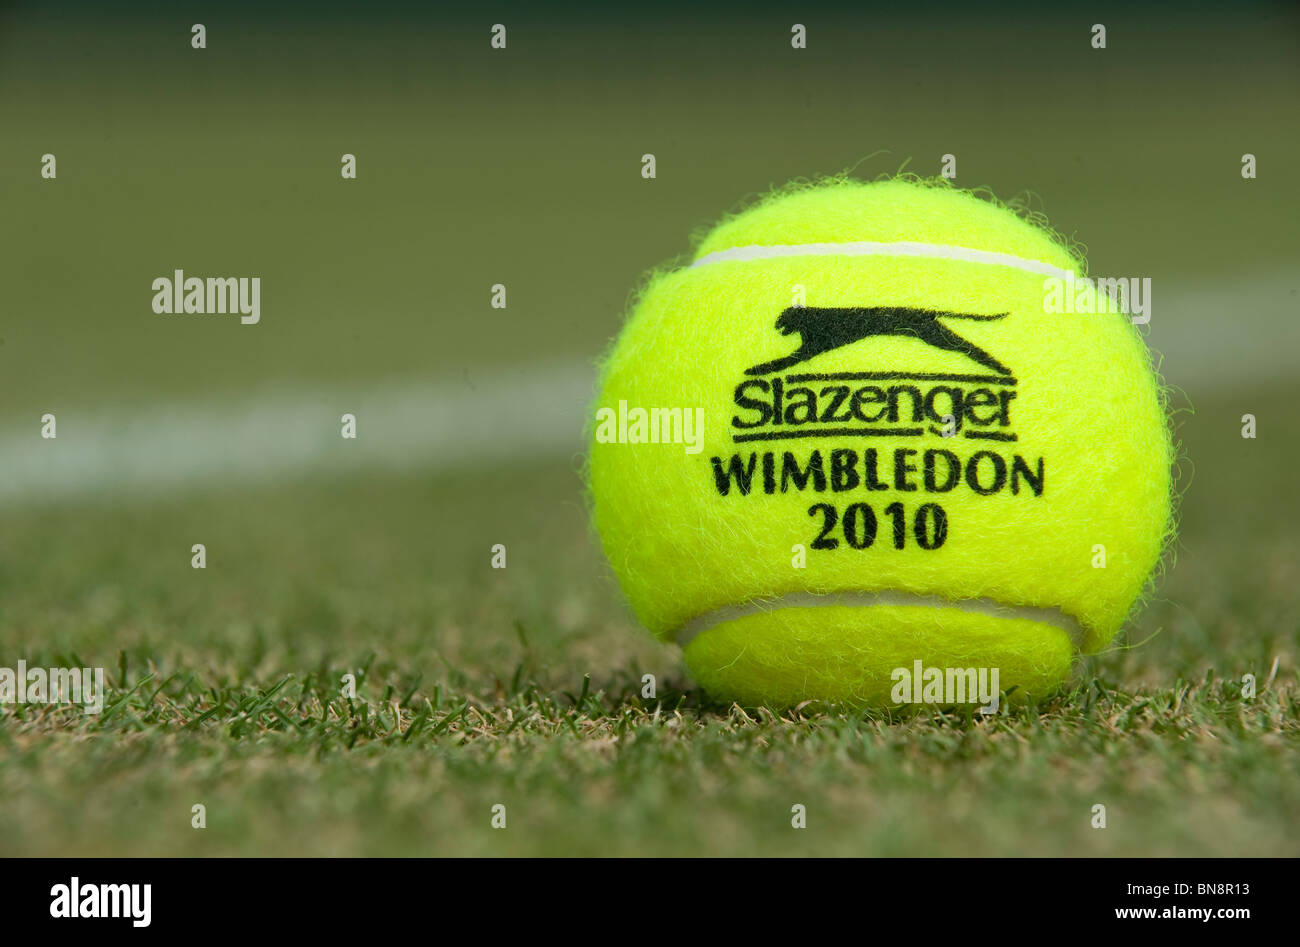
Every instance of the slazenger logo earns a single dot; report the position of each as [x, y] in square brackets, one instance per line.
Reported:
[824, 330]
[829, 414]
[974, 405]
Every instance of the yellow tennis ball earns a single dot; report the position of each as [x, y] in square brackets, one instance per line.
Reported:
[871, 425]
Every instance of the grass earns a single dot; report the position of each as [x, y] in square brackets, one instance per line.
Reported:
[289, 769]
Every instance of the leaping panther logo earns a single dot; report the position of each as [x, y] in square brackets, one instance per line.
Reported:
[826, 329]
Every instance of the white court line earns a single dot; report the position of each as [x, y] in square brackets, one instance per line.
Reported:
[455, 424]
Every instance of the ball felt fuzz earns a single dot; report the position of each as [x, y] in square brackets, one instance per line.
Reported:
[874, 424]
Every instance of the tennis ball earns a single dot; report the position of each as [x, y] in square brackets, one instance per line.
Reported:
[877, 424]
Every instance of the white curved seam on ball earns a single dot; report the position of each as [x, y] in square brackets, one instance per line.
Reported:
[978, 606]
[930, 250]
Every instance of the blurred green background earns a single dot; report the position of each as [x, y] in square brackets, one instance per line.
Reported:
[522, 166]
